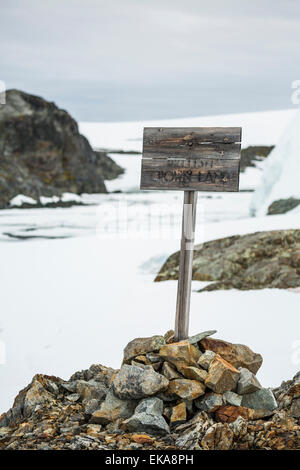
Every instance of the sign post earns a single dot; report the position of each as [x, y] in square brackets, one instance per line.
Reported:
[190, 159]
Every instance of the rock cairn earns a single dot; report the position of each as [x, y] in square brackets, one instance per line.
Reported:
[200, 393]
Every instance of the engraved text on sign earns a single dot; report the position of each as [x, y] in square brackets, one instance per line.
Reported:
[200, 159]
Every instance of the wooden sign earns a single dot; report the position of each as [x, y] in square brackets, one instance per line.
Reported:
[190, 159]
[198, 159]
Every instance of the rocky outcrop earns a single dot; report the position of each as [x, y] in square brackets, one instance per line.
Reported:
[43, 154]
[252, 154]
[110, 169]
[281, 206]
[255, 261]
[140, 407]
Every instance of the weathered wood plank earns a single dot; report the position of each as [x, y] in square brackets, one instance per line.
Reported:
[185, 266]
[198, 150]
[169, 138]
[190, 174]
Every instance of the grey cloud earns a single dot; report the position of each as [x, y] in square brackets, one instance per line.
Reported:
[131, 59]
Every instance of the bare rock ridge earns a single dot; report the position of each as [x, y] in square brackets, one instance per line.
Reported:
[253, 154]
[198, 395]
[254, 261]
[282, 206]
[42, 152]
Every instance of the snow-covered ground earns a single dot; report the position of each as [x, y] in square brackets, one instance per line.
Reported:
[77, 283]
[261, 128]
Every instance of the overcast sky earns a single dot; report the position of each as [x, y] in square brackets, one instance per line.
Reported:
[143, 59]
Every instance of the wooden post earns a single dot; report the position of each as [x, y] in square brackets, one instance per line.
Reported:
[185, 266]
[190, 159]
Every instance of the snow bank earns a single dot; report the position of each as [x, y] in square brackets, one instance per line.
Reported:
[280, 178]
[259, 128]
[21, 199]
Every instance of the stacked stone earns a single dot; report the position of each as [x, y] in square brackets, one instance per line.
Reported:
[162, 384]
[196, 394]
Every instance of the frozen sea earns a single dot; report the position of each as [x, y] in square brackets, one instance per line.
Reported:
[77, 283]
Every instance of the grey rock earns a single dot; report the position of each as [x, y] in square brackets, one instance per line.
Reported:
[197, 338]
[252, 261]
[169, 336]
[189, 440]
[148, 418]
[29, 400]
[239, 427]
[252, 154]
[260, 400]
[141, 346]
[91, 405]
[153, 357]
[295, 408]
[165, 397]
[281, 206]
[112, 409]
[110, 170]
[90, 389]
[189, 405]
[43, 153]
[138, 364]
[73, 397]
[69, 386]
[137, 382]
[231, 398]
[247, 382]
[170, 372]
[151, 405]
[96, 372]
[209, 402]
[86, 443]
[206, 358]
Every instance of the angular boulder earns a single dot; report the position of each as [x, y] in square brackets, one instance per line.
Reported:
[237, 355]
[247, 383]
[148, 418]
[186, 389]
[178, 415]
[194, 373]
[260, 400]
[232, 398]
[228, 413]
[222, 376]
[170, 372]
[90, 389]
[197, 338]
[141, 346]
[138, 382]
[169, 336]
[180, 354]
[205, 359]
[209, 402]
[113, 408]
